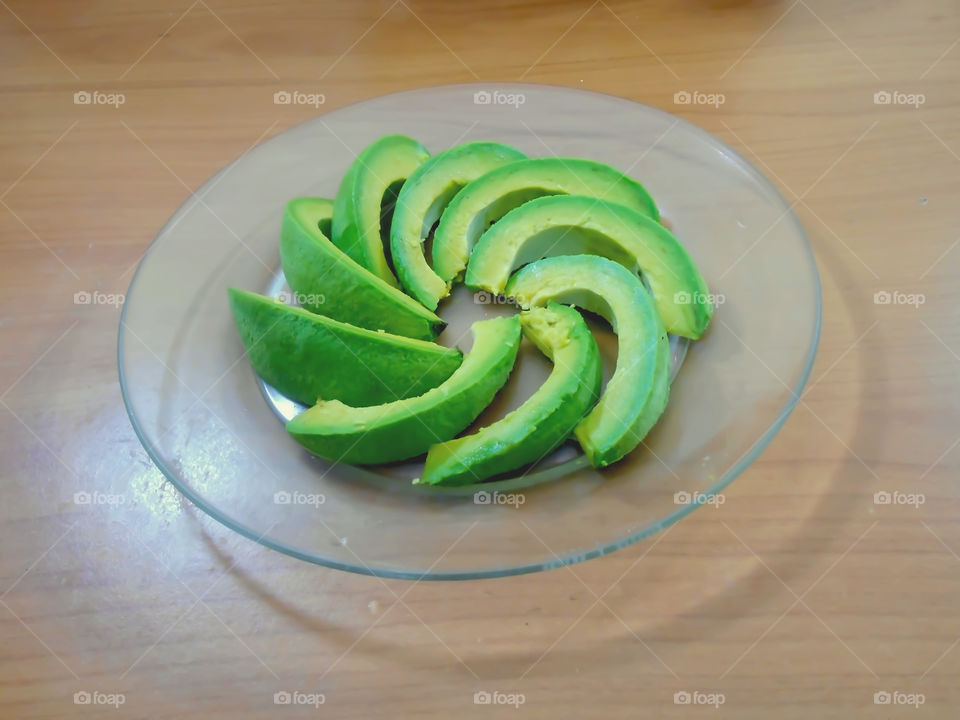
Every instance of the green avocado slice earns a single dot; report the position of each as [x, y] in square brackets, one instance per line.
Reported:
[406, 428]
[307, 357]
[326, 281]
[544, 420]
[636, 394]
[490, 197]
[376, 174]
[574, 224]
[423, 198]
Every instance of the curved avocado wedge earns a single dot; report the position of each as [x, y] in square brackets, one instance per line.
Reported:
[406, 428]
[326, 281]
[573, 224]
[374, 177]
[490, 197]
[307, 356]
[423, 198]
[636, 394]
[541, 423]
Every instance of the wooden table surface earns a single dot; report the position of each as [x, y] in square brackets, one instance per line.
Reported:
[799, 597]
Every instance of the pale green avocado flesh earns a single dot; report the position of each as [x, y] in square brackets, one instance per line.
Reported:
[574, 224]
[491, 196]
[309, 357]
[376, 172]
[406, 428]
[327, 281]
[423, 198]
[544, 420]
[636, 394]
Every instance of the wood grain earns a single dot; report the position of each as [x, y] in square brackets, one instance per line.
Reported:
[799, 597]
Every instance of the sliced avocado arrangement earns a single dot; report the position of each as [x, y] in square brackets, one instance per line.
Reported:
[541, 423]
[571, 225]
[376, 174]
[636, 395]
[491, 196]
[329, 282]
[309, 357]
[550, 233]
[424, 196]
[406, 428]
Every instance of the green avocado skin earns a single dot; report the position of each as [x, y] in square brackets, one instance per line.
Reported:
[544, 420]
[421, 202]
[406, 428]
[383, 164]
[327, 281]
[491, 196]
[636, 395]
[307, 356]
[575, 224]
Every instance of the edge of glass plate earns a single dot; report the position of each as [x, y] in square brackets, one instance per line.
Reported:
[560, 561]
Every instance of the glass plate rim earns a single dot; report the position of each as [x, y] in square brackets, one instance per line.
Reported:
[571, 558]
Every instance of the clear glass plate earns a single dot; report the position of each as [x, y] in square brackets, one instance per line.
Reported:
[207, 423]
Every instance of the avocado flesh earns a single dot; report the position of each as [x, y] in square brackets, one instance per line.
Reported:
[491, 196]
[307, 356]
[636, 394]
[423, 198]
[544, 420]
[382, 165]
[572, 224]
[328, 282]
[406, 428]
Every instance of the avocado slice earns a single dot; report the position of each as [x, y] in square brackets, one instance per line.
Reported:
[307, 356]
[374, 176]
[544, 420]
[406, 428]
[490, 197]
[423, 198]
[636, 394]
[327, 281]
[574, 224]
